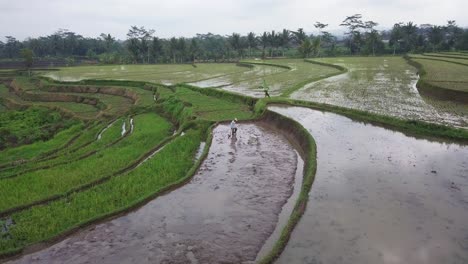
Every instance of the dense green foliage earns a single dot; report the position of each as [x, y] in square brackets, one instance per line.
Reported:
[30, 125]
[142, 46]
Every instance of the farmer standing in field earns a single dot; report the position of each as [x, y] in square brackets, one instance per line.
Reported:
[233, 127]
[265, 88]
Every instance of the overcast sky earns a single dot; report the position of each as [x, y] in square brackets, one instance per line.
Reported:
[33, 18]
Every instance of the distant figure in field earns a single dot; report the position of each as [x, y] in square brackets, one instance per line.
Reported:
[265, 89]
[233, 127]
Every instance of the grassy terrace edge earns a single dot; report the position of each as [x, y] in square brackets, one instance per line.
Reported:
[38, 245]
[429, 89]
[305, 144]
[413, 128]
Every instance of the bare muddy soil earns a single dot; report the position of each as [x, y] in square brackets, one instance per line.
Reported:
[223, 215]
[380, 196]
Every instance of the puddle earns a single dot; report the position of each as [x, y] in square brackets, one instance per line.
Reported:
[285, 211]
[131, 125]
[5, 226]
[104, 130]
[223, 215]
[380, 196]
[200, 151]
[124, 129]
[60, 78]
[151, 155]
[215, 82]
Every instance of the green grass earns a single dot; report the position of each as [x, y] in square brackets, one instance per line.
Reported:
[40, 148]
[40, 185]
[444, 74]
[169, 166]
[144, 98]
[30, 125]
[78, 110]
[461, 57]
[87, 144]
[203, 106]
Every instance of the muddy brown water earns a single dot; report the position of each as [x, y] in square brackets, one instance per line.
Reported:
[380, 196]
[223, 215]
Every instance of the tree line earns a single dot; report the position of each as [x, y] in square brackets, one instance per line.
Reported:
[143, 46]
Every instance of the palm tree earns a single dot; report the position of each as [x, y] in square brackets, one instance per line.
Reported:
[320, 27]
[306, 48]
[173, 48]
[251, 41]
[264, 40]
[284, 39]
[272, 40]
[235, 41]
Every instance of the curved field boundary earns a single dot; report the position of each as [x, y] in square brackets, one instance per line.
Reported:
[133, 96]
[45, 154]
[267, 64]
[298, 86]
[438, 92]
[409, 127]
[456, 53]
[305, 144]
[85, 155]
[91, 184]
[439, 58]
[18, 103]
[461, 57]
[304, 140]
[412, 128]
[28, 96]
[248, 65]
[29, 248]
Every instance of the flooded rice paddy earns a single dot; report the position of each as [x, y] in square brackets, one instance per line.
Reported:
[164, 74]
[380, 196]
[384, 85]
[223, 215]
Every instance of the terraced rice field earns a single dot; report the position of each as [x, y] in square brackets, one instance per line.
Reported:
[281, 75]
[104, 165]
[385, 85]
[137, 145]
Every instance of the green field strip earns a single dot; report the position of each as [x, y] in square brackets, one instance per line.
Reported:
[41, 148]
[118, 194]
[68, 155]
[39, 186]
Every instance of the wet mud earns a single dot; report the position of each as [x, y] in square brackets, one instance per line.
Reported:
[223, 215]
[380, 196]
